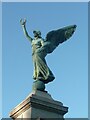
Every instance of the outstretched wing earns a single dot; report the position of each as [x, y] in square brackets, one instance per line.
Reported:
[56, 37]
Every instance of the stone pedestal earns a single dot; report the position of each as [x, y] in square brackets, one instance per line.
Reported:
[39, 106]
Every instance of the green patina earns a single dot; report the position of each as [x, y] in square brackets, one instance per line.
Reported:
[41, 47]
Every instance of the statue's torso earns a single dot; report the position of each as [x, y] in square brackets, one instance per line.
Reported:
[36, 44]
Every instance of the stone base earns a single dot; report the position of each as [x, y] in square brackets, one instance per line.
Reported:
[39, 105]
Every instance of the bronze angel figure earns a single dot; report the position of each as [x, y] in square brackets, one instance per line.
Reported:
[41, 47]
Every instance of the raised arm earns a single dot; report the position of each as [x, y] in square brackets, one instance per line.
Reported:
[23, 24]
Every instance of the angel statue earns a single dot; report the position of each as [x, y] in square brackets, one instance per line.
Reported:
[41, 47]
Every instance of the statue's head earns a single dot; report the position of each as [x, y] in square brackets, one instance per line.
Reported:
[37, 33]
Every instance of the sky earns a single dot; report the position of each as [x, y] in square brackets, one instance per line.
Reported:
[69, 62]
[45, 0]
[1, 59]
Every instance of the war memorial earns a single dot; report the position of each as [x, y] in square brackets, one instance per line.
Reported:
[39, 104]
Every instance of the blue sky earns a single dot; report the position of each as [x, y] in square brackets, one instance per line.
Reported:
[1, 58]
[69, 62]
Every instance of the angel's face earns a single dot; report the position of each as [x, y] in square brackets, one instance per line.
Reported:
[37, 34]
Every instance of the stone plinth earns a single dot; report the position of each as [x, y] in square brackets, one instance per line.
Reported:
[39, 105]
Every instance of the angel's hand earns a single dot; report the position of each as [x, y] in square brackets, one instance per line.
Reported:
[23, 22]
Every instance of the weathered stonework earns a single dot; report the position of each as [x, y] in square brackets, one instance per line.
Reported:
[39, 105]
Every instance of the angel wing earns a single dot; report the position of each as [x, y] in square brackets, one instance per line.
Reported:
[56, 37]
